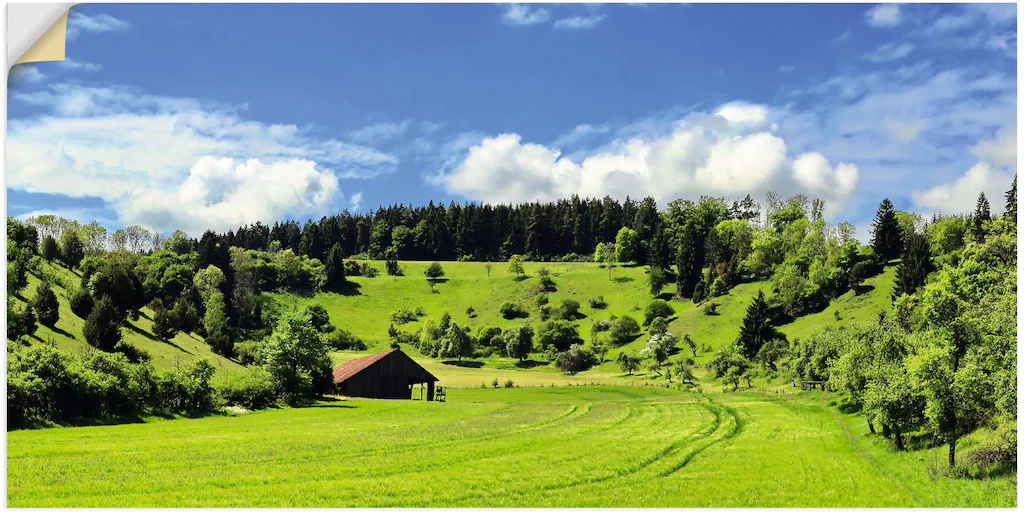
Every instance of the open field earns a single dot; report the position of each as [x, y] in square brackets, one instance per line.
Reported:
[565, 446]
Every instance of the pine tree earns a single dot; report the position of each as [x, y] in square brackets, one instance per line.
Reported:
[1011, 201]
[46, 305]
[757, 328]
[48, 250]
[164, 324]
[982, 214]
[335, 267]
[103, 326]
[887, 240]
[915, 264]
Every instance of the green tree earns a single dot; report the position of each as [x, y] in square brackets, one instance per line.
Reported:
[627, 363]
[605, 253]
[515, 265]
[215, 323]
[757, 329]
[48, 250]
[46, 305]
[982, 214]
[185, 314]
[886, 237]
[1011, 201]
[624, 329]
[914, 266]
[627, 245]
[81, 302]
[559, 334]
[690, 343]
[434, 271]
[208, 281]
[656, 280]
[519, 341]
[102, 327]
[164, 323]
[296, 355]
[72, 248]
[335, 267]
[657, 308]
[391, 262]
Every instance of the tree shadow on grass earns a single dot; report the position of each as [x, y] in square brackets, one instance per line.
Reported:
[521, 278]
[62, 332]
[529, 363]
[623, 279]
[863, 290]
[132, 327]
[464, 364]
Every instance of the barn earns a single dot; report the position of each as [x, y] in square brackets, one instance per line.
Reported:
[389, 374]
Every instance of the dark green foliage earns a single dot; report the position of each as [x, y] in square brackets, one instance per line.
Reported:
[856, 276]
[21, 320]
[48, 250]
[510, 310]
[518, 341]
[102, 327]
[186, 388]
[490, 336]
[81, 302]
[116, 279]
[251, 389]
[164, 323]
[403, 316]
[72, 249]
[391, 262]
[560, 334]
[624, 330]
[1011, 201]
[17, 274]
[568, 310]
[341, 339]
[318, 316]
[982, 214]
[656, 280]
[598, 302]
[710, 309]
[657, 308]
[915, 264]
[46, 305]
[185, 314]
[658, 326]
[335, 267]
[627, 363]
[434, 271]
[757, 328]
[576, 359]
[886, 238]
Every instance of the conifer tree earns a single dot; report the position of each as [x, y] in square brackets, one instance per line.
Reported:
[335, 267]
[915, 264]
[757, 328]
[982, 214]
[886, 239]
[46, 305]
[103, 326]
[1011, 201]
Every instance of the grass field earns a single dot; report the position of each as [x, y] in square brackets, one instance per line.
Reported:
[530, 447]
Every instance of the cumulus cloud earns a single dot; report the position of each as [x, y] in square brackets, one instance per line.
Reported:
[885, 16]
[992, 175]
[79, 23]
[730, 152]
[519, 14]
[579, 22]
[135, 151]
[889, 52]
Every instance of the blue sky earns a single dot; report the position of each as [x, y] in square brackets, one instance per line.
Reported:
[210, 116]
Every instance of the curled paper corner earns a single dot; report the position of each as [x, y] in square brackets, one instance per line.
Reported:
[36, 32]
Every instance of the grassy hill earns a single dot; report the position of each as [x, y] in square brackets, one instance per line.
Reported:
[584, 446]
[67, 333]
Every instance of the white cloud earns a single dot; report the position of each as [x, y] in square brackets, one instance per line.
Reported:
[74, 65]
[579, 134]
[519, 14]
[1000, 151]
[887, 16]
[962, 195]
[904, 130]
[787, 68]
[25, 73]
[78, 23]
[731, 152]
[889, 52]
[356, 200]
[579, 22]
[381, 132]
[135, 151]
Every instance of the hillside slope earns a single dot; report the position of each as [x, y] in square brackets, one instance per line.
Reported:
[67, 333]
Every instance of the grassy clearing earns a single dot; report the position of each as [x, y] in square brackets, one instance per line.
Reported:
[67, 333]
[564, 446]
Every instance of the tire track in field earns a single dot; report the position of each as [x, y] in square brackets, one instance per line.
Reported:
[730, 428]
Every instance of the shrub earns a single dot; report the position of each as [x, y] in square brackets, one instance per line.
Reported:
[510, 310]
[576, 359]
[490, 337]
[598, 302]
[657, 308]
[601, 326]
[48, 249]
[546, 285]
[434, 271]
[568, 309]
[541, 300]
[720, 287]
[659, 326]
[252, 388]
[318, 316]
[471, 312]
[495, 383]
[186, 389]
[403, 316]
[543, 272]
[623, 330]
[46, 305]
[545, 312]
[133, 353]
[366, 270]
[559, 334]
[103, 326]
[81, 302]
[341, 339]
[711, 308]
[420, 311]
[509, 383]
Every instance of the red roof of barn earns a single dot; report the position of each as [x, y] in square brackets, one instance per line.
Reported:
[350, 368]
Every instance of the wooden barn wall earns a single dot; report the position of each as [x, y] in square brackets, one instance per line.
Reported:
[388, 378]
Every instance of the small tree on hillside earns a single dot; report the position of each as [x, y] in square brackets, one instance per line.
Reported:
[102, 327]
[519, 341]
[164, 323]
[690, 343]
[886, 238]
[757, 328]
[627, 244]
[1011, 202]
[335, 267]
[434, 271]
[605, 253]
[515, 265]
[46, 305]
[48, 250]
[657, 308]
[627, 363]
[81, 302]
[72, 248]
[656, 280]
[856, 276]
[914, 266]
[296, 354]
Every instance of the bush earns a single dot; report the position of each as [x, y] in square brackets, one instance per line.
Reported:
[471, 312]
[46, 305]
[657, 308]
[546, 285]
[543, 272]
[420, 311]
[711, 308]
[568, 309]
[509, 383]
[103, 326]
[720, 287]
[623, 330]
[601, 326]
[659, 326]
[541, 300]
[344, 340]
[576, 359]
[598, 302]
[434, 271]
[559, 334]
[510, 310]
[48, 249]
[545, 312]
[490, 337]
[318, 316]
[403, 316]
[81, 302]
[252, 388]
[495, 383]
[186, 389]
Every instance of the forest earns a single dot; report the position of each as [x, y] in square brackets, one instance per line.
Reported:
[940, 363]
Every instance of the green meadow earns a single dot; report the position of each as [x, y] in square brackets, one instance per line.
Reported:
[566, 446]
